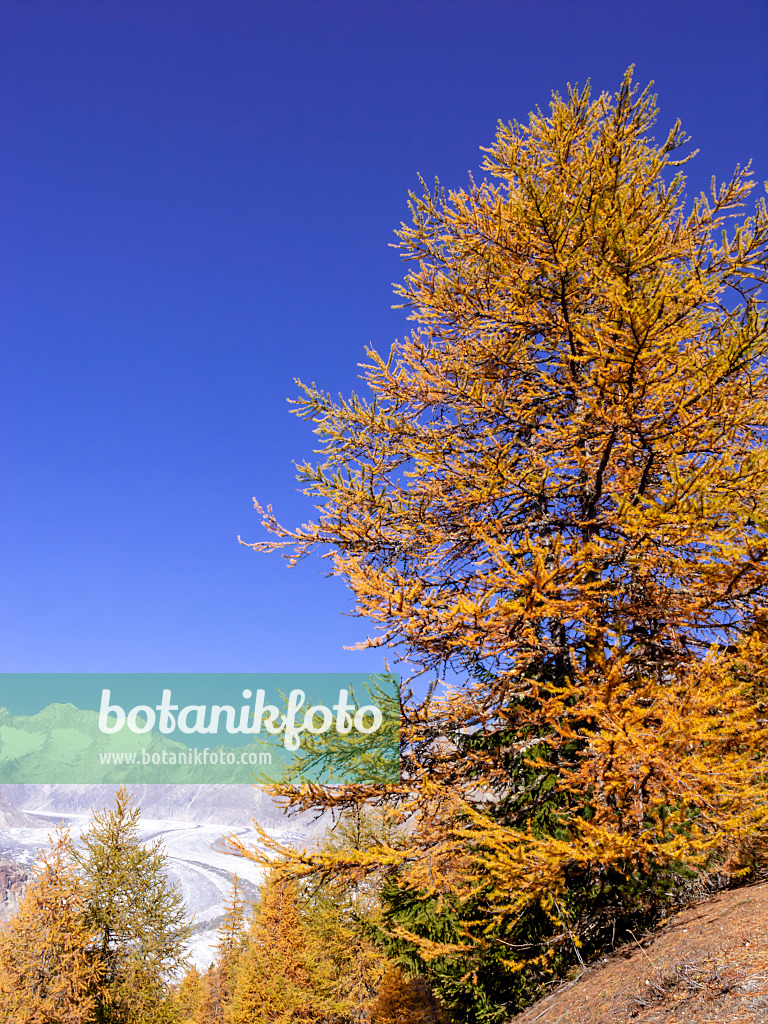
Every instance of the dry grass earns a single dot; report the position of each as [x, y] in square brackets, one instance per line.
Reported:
[706, 965]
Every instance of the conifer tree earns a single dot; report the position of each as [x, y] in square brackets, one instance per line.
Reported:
[558, 490]
[230, 931]
[344, 912]
[281, 975]
[208, 1004]
[187, 996]
[405, 1001]
[48, 974]
[136, 913]
[230, 942]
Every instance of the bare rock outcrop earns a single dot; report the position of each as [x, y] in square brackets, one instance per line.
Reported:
[13, 883]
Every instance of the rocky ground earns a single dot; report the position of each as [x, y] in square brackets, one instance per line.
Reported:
[706, 965]
[13, 882]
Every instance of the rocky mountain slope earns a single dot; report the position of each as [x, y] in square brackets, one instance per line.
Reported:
[10, 814]
[13, 882]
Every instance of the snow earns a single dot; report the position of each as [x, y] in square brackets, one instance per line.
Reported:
[197, 859]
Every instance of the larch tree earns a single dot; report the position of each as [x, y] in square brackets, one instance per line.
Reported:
[136, 913]
[280, 974]
[344, 911]
[557, 491]
[48, 974]
[405, 1001]
[230, 942]
[188, 995]
[208, 1007]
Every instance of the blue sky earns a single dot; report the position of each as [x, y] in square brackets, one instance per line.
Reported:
[197, 204]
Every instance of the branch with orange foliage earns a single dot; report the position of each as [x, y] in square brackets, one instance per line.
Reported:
[558, 489]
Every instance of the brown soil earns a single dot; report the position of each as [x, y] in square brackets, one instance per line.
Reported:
[706, 965]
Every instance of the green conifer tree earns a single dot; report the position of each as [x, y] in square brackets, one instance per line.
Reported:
[136, 914]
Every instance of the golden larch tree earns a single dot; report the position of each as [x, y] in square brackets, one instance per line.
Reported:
[230, 942]
[48, 974]
[405, 1001]
[187, 997]
[280, 974]
[556, 490]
